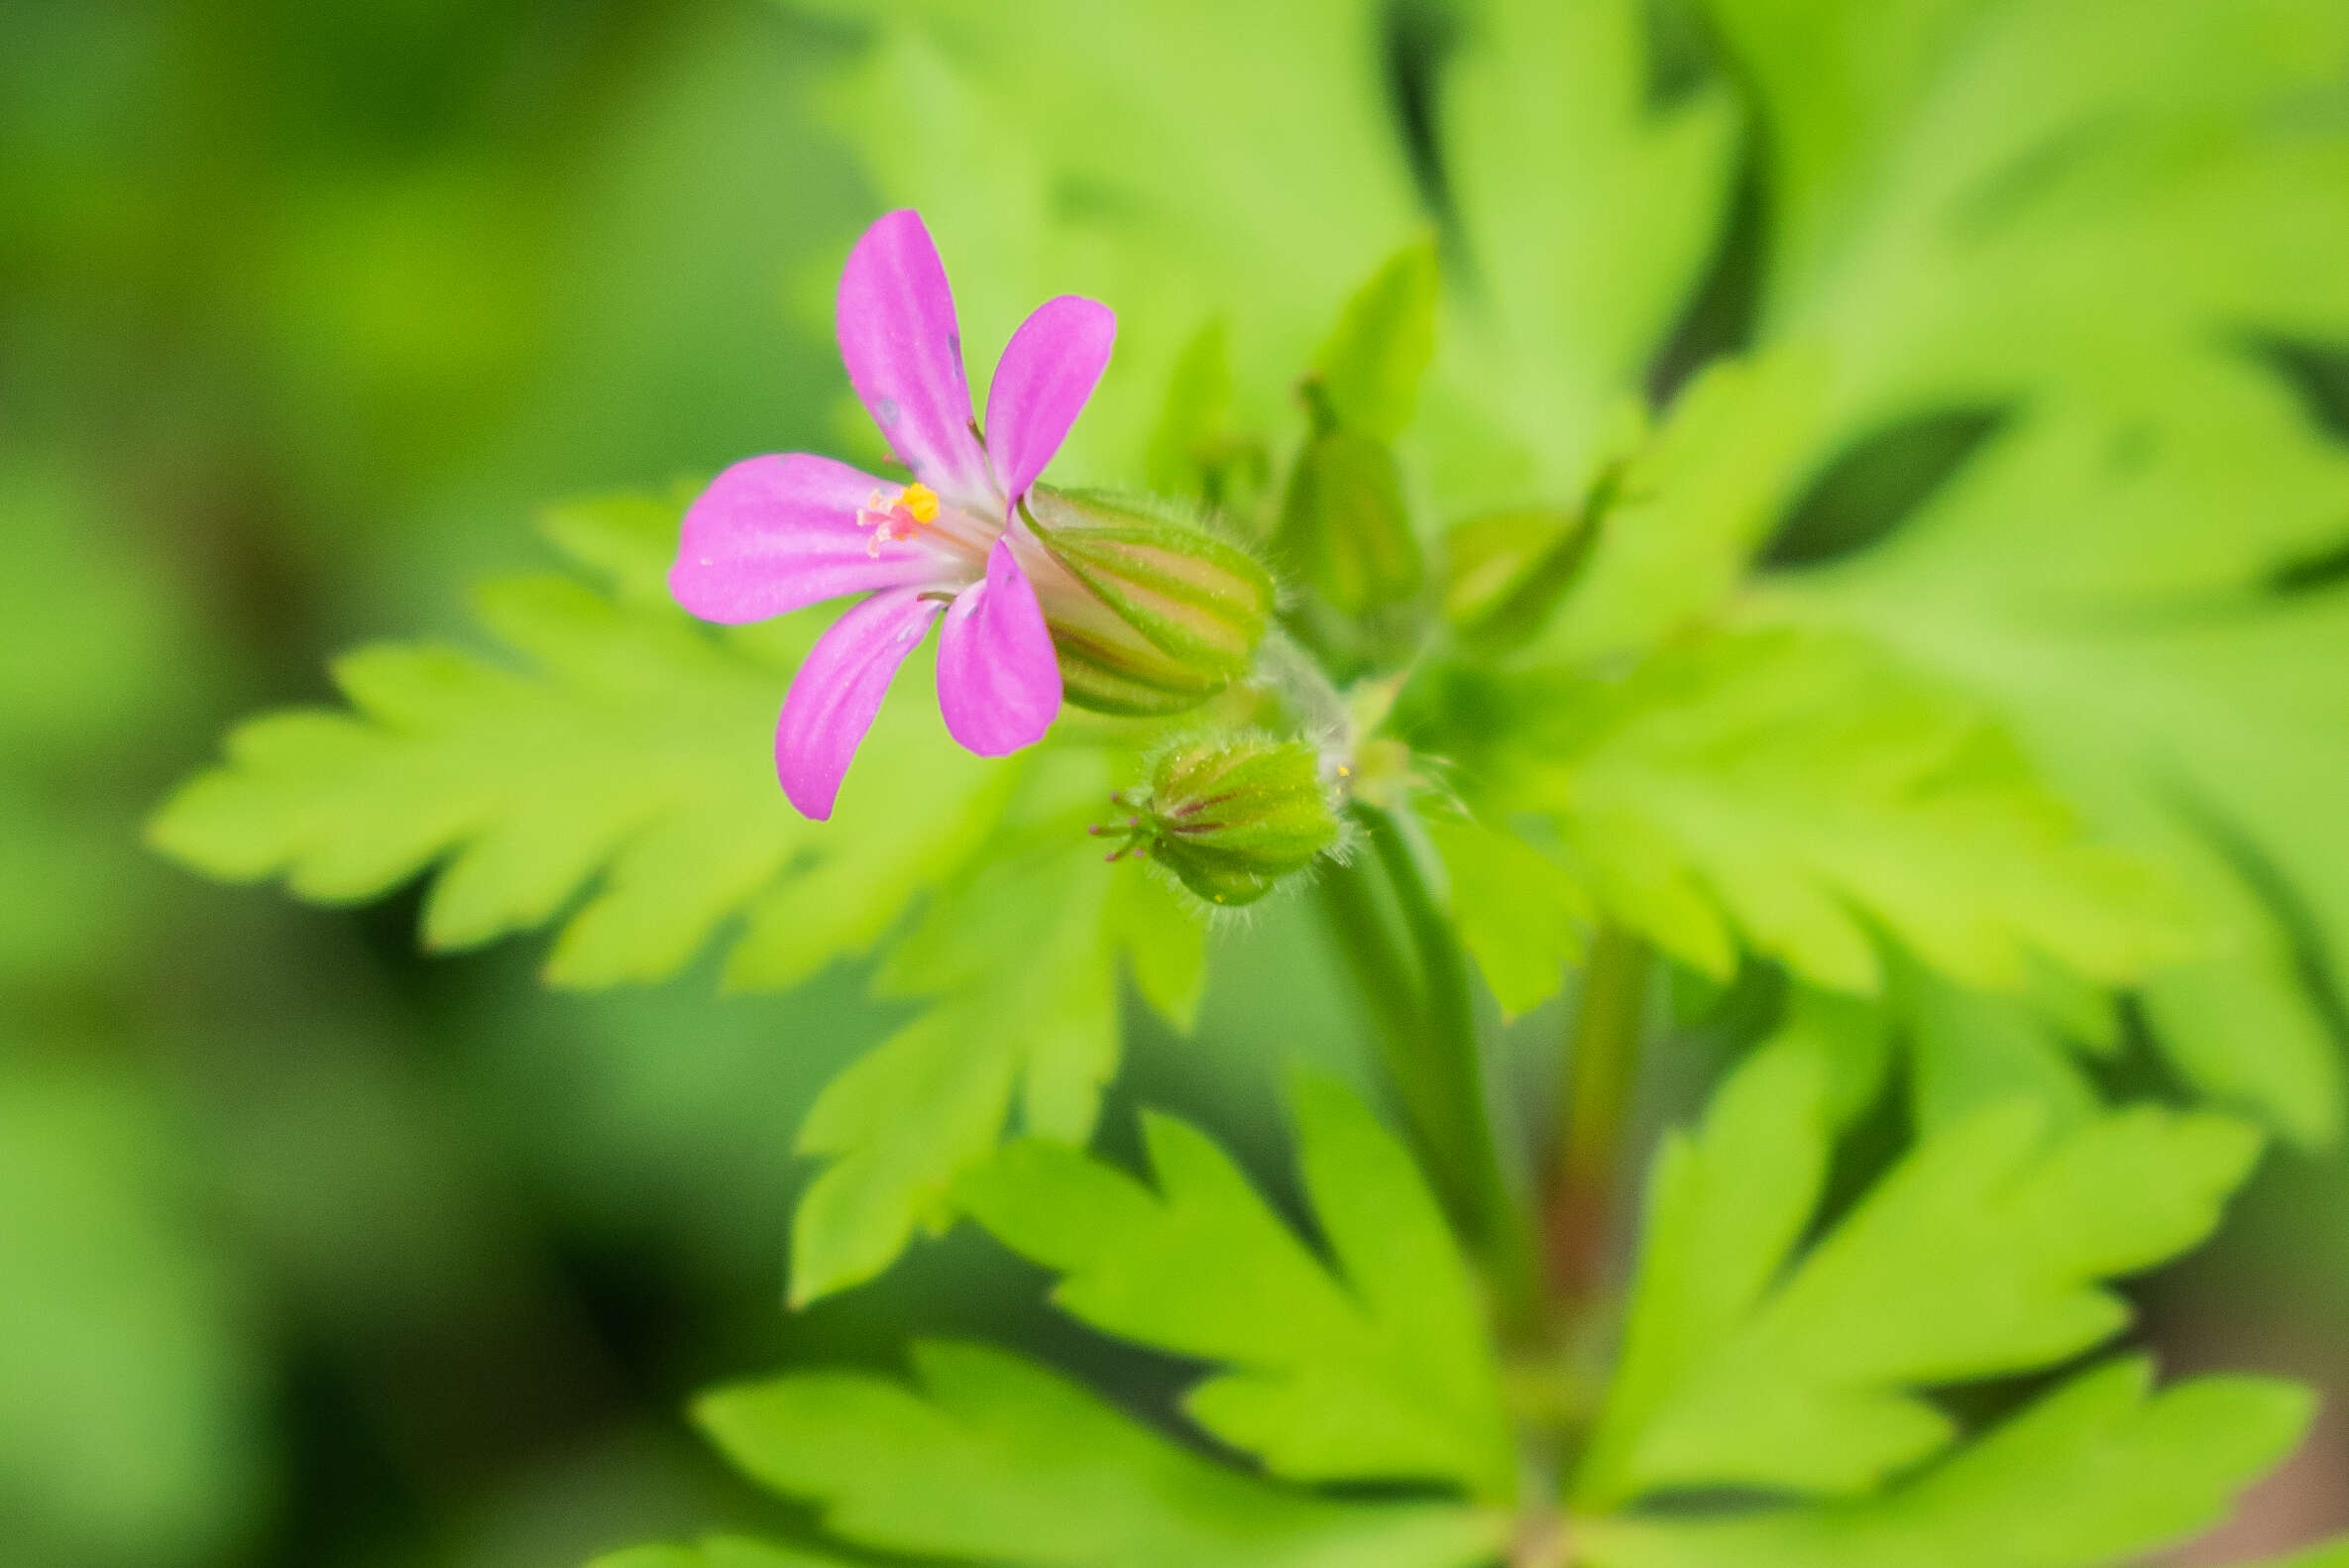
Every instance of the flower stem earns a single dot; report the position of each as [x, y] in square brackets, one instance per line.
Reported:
[1594, 1114]
[1417, 990]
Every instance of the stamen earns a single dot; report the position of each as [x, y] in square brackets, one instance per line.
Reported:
[895, 517]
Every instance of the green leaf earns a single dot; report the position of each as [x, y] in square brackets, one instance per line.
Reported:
[2095, 1473]
[717, 1552]
[1193, 446]
[1372, 1367]
[1839, 80]
[1979, 1255]
[1370, 365]
[1585, 215]
[627, 757]
[1035, 137]
[1974, 221]
[623, 753]
[1522, 917]
[992, 1459]
[1019, 958]
[1725, 1206]
[1689, 506]
[1969, 1050]
[1790, 790]
[2158, 679]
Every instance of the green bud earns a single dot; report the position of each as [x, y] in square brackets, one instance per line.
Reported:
[1344, 529]
[1230, 816]
[1148, 615]
[1505, 571]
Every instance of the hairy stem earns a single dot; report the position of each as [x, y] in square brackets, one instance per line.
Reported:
[1415, 982]
[1594, 1114]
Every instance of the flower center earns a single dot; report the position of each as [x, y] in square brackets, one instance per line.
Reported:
[898, 517]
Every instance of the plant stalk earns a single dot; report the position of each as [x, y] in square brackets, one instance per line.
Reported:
[1593, 1116]
[1417, 985]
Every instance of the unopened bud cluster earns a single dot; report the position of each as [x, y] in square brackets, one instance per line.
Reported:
[1230, 816]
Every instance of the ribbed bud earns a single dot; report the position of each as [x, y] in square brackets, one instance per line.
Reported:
[1230, 816]
[1148, 615]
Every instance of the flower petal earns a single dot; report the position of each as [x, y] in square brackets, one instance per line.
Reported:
[837, 691]
[1048, 372]
[773, 534]
[903, 351]
[998, 683]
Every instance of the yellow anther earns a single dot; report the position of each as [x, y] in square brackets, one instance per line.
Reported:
[919, 502]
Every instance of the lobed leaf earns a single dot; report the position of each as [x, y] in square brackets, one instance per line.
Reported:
[1520, 915]
[1796, 793]
[2095, 1473]
[990, 1459]
[1585, 213]
[612, 775]
[619, 769]
[2123, 260]
[1019, 959]
[1980, 1254]
[1373, 1366]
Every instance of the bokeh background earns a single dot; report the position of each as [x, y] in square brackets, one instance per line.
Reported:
[316, 1251]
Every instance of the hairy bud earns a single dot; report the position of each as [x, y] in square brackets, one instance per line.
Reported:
[1148, 615]
[1230, 816]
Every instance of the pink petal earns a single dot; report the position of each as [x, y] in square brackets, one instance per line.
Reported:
[778, 533]
[904, 351]
[837, 691]
[1048, 372]
[998, 684]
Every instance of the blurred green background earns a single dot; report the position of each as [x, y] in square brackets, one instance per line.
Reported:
[316, 1251]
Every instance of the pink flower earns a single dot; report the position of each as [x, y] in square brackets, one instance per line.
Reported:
[773, 534]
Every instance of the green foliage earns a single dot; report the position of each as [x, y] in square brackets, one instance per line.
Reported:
[1019, 960]
[1971, 220]
[1979, 1255]
[2093, 1473]
[1972, 1049]
[628, 755]
[2070, 721]
[1584, 217]
[1792, 790]
[1369, 369]
[1345, 533]
[1687, 507]
[1190, 448]
[1522, 917]
[131, 1412]
[1373, 1366]
[1035, 141]
[994, 1460]
[715, 1551]
[622, 755]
